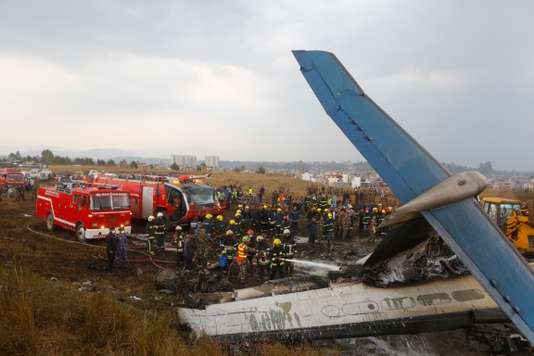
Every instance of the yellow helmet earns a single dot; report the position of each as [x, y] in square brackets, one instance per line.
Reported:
[279, 210]
[375, 210]
[238, 211]
[220, 218]
[232, 222]
[237, 214]
[209, 216]
[318, 210]
[265, 206]
[330, 215]
[240, 206]
[277, 242]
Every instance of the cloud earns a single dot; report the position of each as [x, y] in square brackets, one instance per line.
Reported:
[170, 76]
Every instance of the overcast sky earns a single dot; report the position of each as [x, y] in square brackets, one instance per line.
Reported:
[217, 77]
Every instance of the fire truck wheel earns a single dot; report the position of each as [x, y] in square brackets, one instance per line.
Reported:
[50, 222]
[80, 232]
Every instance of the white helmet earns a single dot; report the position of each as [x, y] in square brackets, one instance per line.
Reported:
[178, 228]
[287, 232]
[150, 218]
[160, 214]
[229, 233]
[259, 238]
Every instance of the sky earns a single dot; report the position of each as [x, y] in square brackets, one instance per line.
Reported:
[155, 78]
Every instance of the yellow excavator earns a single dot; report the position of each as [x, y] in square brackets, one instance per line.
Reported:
[512, 216]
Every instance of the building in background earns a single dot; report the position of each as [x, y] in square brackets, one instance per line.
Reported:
[185, 161]
[212, 161]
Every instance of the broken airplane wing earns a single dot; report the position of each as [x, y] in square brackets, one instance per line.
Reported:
[411, 173]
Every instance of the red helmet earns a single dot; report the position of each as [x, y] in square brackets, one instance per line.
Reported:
[250, 232]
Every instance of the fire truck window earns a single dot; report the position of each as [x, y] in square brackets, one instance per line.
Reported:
[83, 202]
[120, 201]
[75, 199]
[201, 195]
[100, 202]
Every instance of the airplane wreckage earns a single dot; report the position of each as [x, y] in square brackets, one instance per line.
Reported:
[500, 285]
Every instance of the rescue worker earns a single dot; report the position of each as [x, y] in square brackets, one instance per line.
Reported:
[208, 223]
[242, 256]
[190, 251]
[278, 220]
[160, 230]
[372, 228]
[289, 253]
[276, 255]
[220, 225]
[228, 253]
[111, 249]
[121, 258]
[179, 240]
[151, 234]
[264, 218]
[329, 231]
[236, 229]
[293, 219]
[262, 256]
[287, 238]
[312, 229]
[345, 224]
[252, 244]
[320, 224]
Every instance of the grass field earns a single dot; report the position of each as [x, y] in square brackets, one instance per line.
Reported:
[271, 182]
[43, 311]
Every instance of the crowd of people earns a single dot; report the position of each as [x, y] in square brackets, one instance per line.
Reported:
[256, 236]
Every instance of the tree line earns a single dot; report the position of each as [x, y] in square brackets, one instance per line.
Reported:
[49, 158]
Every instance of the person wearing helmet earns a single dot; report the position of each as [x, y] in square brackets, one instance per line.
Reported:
[264, 218]
[228, 254]
[151, 234]
[160, 230]
[276, 256]
[246, 217]
[243, 251]
[121, 258]
[262, 256]
[219, 225]
[328, 227]
[179, 240]
[207, 223]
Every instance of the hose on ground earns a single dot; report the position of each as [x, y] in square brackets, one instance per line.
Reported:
[156, 263]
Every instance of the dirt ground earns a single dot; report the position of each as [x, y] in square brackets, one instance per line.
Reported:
[81, 268]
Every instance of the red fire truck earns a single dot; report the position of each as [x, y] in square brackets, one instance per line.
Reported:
[152, 194]
[90, 211]
[11, 177]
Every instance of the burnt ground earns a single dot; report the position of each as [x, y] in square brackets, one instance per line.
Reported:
[84, 267]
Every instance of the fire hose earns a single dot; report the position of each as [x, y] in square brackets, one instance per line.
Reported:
[154, 262]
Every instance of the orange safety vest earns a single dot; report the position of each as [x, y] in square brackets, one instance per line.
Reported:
[241, 253]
